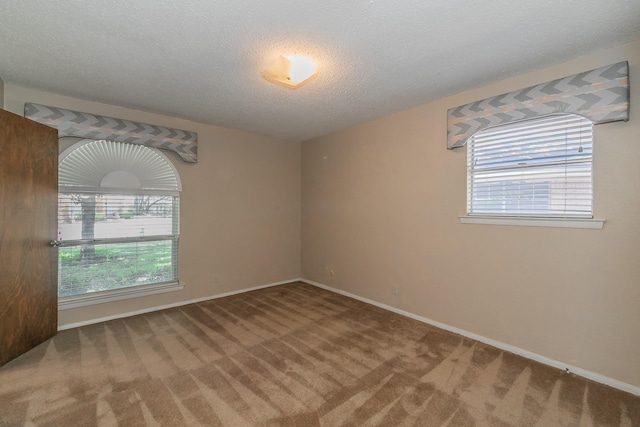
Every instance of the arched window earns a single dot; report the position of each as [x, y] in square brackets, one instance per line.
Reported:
[118, 222]
[540, 168]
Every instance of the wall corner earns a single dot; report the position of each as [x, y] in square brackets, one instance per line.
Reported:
[1, 93]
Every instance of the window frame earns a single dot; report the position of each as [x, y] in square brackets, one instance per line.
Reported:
[126, 292]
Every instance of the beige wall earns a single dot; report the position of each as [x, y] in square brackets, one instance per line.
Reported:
[1, 93]
[240, 208]
[380, 206]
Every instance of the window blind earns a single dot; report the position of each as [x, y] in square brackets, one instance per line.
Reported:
[111, 241]
[537, 168]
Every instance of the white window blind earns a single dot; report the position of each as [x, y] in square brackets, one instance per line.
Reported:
[112, 241]
[535, 168]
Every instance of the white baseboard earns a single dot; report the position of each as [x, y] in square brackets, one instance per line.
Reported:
[83, 300]
[177, 304]
[503, 346]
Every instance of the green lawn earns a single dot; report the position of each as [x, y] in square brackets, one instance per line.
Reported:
[115, 266]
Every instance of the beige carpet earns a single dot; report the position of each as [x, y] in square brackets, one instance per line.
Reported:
[291, 355]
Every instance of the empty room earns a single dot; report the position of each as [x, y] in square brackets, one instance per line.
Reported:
[356, 213]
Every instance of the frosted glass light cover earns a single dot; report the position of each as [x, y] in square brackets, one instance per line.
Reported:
[291, 71]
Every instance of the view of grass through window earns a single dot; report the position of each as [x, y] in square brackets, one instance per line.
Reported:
[113, 241]
[115, 266]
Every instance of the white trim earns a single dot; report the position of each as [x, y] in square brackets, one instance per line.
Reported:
[91, 298]
[595, 224]
[503, 346]
[177, 304]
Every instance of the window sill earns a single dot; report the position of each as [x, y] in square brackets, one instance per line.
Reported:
[594, 224]
[75, 301]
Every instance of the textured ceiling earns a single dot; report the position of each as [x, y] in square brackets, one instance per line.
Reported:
[201, 59]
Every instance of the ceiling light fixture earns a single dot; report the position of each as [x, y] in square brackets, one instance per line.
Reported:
[290, 71]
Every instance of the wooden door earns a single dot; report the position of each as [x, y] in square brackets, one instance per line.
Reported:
[28, 222]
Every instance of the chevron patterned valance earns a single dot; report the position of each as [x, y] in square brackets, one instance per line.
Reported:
[601, 95]
[85, 125]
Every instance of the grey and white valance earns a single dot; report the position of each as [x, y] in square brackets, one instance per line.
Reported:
[601, 95]
[85, 125]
